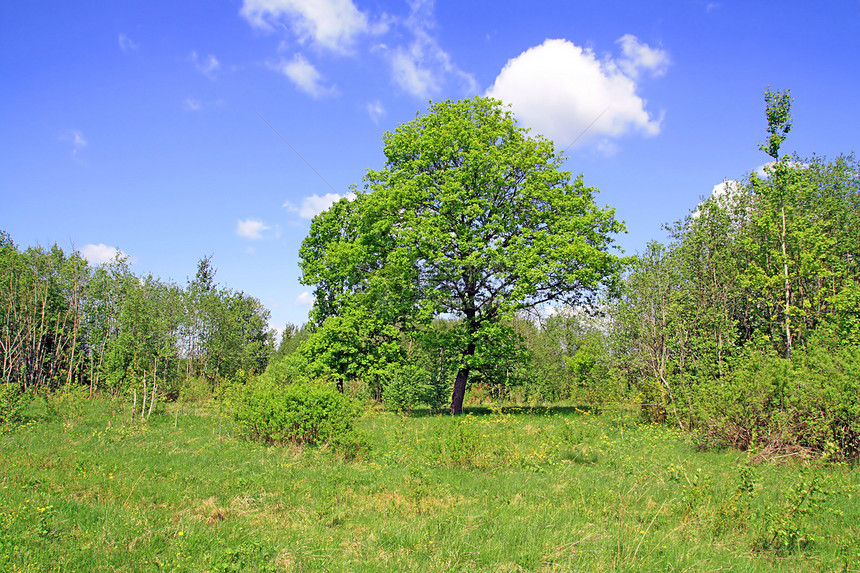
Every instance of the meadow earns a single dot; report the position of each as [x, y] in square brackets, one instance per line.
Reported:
[563, 488]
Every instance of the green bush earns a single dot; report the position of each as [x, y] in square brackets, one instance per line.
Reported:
[291, 368]
[12, 404]
[409, 386]
[298, 413]
[805, 406]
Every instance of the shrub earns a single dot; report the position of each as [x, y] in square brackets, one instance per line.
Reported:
[806, 406]
[291, 368]
[12, 404]
[409, 386]
[298, 413]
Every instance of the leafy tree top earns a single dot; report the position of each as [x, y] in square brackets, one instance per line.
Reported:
[778, 112]
[470, 216]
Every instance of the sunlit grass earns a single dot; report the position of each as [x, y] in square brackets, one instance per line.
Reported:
[495, 490]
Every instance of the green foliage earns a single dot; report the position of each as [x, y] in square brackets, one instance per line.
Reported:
[767, 267]
[195, 390]
[778, 111]
[471, 218]
[407, 387]
[97, 493]
[291, 338]
[13, 403]
[807, 406]
[787, 526]
[40, 328]
[354, 345]
[63, 322]
[570, 358]
[289, 369]
[299, 414]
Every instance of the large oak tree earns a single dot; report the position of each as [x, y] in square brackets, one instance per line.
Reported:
[472, 218]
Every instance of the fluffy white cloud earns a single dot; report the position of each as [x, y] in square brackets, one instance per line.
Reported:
[101, 253]
[375, 110]
[724, 193]
[305, 76]
[418, 64]
[636, 56]
[305, 299]
[126, 44]
[410, 73]
[422, 67]
[207, 66]
[332, 24]
[314, 204]
[564, 92]
[251, 229]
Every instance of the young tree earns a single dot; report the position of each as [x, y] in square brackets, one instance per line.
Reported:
[778, 112]
[471, 218]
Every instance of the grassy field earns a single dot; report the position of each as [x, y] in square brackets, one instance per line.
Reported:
[82, 488]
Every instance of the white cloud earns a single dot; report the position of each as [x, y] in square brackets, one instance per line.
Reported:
[305, 76]
[564, 92]
[77, 140]
[305, 299]
[723, 193]
[251, 229]
[207, 66]
[637, 56]
[331, 24]
[126, 44]
[192, 104]
[418, 64]
[766, 169]
[725, 189]
[422, 67]
[314, 204]
[375, 110]
[101, 254]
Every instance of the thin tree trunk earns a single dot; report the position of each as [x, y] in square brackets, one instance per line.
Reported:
[75, 323]
[143, 407]
[787, 290]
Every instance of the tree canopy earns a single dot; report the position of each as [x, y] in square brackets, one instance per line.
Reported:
[471, 218]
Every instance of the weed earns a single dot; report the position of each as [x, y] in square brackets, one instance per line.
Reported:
[786, 526]
[455, 443]
[13, 402]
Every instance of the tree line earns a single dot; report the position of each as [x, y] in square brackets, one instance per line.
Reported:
[745, 325]
[63, 321]
[473, 261]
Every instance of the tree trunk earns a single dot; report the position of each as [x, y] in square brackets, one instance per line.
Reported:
[787, 291]
[459, 390]
[462, 379]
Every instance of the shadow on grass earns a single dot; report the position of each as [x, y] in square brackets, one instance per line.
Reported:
[515, 410]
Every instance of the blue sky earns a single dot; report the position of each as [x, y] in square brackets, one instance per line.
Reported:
[143, 126]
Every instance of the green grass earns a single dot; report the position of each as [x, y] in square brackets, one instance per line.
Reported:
[555, 489]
